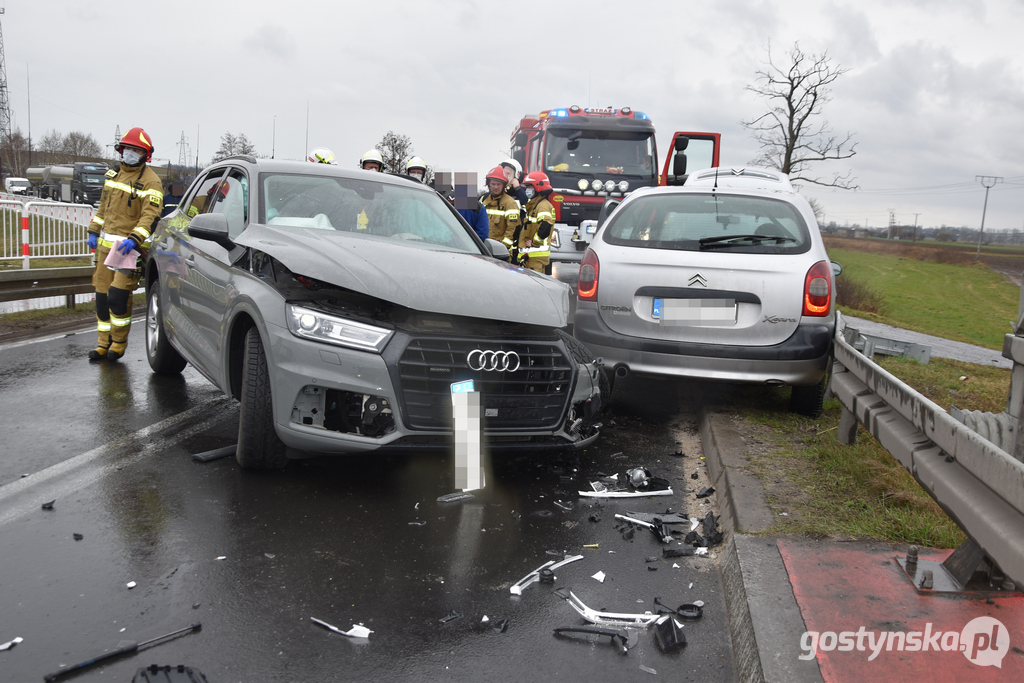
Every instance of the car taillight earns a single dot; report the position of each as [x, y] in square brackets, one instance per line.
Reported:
[818, 289]
[589, 268]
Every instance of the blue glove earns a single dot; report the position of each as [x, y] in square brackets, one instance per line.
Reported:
[127, 245]
[94, 240]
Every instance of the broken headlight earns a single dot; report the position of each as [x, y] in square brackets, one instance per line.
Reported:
[318, 326]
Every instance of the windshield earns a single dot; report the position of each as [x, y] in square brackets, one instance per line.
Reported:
[93, 179]
[592, 152]
[709, 222]
[364, 208]
[19, 183]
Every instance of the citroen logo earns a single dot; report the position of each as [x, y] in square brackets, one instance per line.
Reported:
[698, 279]
[492, 361]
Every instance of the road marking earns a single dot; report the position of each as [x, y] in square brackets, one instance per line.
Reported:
[147, 441]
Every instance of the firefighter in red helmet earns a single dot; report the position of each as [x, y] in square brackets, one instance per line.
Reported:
[129, 209]
[502, 210]
[535, 237]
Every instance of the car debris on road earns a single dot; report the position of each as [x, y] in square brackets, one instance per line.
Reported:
[357, 630]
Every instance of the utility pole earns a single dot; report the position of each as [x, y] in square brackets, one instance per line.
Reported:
[892, 224]
[915, 227]
[987, 181]
[273, 139]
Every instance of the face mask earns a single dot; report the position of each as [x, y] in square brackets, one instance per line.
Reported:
[529, 193]
[131, 157]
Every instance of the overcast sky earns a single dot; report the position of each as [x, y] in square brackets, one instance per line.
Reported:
[934, 93]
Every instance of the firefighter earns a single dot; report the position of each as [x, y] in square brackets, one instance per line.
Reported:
[534, 249]
[417, 168]
[513, 170]
[321, 155]
[502, 210]
[372, 161]
[129, 209]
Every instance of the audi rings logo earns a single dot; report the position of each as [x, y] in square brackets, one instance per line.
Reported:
[493, 361]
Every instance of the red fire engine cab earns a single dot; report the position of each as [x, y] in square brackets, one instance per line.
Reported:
[593, 155]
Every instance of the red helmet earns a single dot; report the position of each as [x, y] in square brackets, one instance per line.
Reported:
[497, 173]
[538, 180]
[137, 137]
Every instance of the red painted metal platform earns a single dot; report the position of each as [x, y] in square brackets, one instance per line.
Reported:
[866, 621]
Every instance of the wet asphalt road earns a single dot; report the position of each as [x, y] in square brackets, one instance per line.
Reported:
[347, 540]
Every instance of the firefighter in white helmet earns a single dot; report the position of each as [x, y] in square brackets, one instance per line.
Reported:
[372, 161]
[321, 155]
[130, 206]
[417, 168]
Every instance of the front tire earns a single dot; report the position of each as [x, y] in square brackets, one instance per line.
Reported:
[259, 447]
[162, 357]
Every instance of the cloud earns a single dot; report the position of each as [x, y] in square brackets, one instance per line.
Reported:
[271, 40]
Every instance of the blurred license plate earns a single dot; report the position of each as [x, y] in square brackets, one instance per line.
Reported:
[695, 311]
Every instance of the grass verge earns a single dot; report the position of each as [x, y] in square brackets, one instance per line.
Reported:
[40, 319]
[827, 489]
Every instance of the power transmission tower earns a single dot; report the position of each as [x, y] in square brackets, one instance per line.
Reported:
[183, 152]
[892, 224]
[987, 181]
[5, 102]
[117, 140]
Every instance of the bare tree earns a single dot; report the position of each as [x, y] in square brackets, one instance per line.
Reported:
[78, 144]
[14, 152]
[231, 145]
[791, 135]
[52, 143]
[396, 150]
[818, 209]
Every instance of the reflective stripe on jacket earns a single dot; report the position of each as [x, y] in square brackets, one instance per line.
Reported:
[130, 204]
[503, 213]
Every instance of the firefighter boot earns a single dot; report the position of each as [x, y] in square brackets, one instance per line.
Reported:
[102, 329]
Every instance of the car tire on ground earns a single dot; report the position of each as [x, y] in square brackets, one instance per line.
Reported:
[807, 400]
[259, 447]
[163, 358]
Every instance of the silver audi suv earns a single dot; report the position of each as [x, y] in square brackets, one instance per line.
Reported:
[724, 278]
[339, 307]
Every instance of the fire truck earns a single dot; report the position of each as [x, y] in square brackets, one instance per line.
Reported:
[594, 158]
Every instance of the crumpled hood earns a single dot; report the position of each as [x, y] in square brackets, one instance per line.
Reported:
[421, 279]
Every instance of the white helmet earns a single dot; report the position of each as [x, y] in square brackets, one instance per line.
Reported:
[417, 164]
[514, 164]
[372, 155]
[321, 155]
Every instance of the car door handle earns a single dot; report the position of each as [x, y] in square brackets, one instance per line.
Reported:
[190, 261]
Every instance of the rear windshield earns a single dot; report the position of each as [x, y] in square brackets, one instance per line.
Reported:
[709, 222]
[362, 207]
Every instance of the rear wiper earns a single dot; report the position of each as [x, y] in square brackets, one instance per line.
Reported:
[728, 240]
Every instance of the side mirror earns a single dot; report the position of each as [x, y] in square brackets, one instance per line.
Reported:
[496, 249]
[837, 269]
[520, 140]
[213, 227]
[679, 163]
[606, 210]
[520, 156]
[681, 143]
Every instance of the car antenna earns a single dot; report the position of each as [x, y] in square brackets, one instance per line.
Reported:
[716, 180]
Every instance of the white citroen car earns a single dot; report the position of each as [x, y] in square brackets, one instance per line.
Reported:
[724, 278]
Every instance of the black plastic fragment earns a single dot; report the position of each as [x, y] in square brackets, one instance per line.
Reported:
[668, 634]
[622, 638]
[678, 454]
[694, 475]
[684, 551]
[692, 538]
[712, 534]
[48, 505]
[77, 537]
[706, 491]
[627, 535]
[215, 454]
[596, 517]
[169, 674]
[451, 616]
[689, 611]
[500, 626]
[651, 558]
[651, 569]
[546, 576]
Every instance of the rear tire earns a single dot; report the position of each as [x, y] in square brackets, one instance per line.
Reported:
[162, 357]
[259, 447]
[808, 400]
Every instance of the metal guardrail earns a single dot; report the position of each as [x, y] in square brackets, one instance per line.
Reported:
[978, 484]
[39, 282]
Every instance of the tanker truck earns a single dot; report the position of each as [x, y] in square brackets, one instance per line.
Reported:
[80, 183]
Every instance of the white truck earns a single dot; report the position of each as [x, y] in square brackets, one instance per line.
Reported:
[17, 186]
